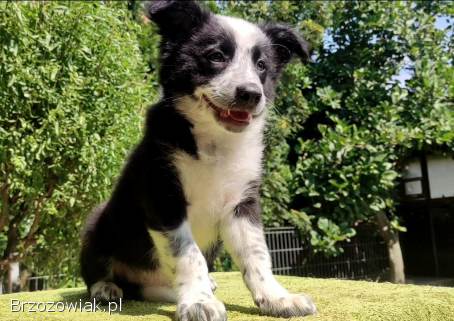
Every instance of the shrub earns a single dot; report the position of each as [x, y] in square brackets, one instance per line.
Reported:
[72, 96]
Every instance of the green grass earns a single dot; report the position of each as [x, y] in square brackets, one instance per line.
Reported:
[336, 301]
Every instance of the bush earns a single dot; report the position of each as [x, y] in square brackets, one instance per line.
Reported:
[72, 96]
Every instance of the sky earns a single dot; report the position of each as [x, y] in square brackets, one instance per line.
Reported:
[441, 23]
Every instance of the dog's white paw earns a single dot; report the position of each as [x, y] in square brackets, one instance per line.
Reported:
[205, 308]
[105, 291]
[290, 305]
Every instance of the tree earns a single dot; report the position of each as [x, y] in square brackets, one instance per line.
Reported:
[350, 173]
[72, 95]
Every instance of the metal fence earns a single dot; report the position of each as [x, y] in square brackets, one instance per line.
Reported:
[363, 258]
[44, 282]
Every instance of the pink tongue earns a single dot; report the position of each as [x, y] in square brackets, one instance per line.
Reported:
[240, 115]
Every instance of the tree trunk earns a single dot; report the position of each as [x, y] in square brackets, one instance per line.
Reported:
[391, 237]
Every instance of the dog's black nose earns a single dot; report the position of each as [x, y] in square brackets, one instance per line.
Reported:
[248, 95]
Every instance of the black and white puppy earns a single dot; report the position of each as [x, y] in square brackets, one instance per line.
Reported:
[193, 181]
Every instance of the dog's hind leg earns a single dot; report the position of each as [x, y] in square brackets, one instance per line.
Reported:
[97, 274]
[148, 284]
[95, 266]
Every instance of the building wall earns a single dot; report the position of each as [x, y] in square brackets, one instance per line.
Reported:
[441, 176]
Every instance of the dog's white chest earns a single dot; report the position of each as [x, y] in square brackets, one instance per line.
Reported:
[214, 184]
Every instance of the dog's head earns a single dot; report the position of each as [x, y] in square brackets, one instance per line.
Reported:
[227, 64]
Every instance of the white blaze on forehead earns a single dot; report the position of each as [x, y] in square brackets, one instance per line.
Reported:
[246, 34]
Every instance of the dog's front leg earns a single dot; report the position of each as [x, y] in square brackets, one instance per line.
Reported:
[179, 254]
[243, 237]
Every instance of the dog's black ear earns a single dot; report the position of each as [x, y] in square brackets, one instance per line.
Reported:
[286, 43]
[176, 19]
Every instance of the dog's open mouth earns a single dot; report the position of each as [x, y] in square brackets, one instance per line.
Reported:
[232, 116]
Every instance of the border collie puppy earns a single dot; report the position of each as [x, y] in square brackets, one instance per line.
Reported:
[192, 183]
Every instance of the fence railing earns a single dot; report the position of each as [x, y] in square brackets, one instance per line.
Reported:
[44, 282]
[361, 259]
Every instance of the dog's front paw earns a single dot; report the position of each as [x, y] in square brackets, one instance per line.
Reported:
[205, 308]
[290, 305]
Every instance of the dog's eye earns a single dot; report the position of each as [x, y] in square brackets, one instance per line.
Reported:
[261, 66]
[216, 56]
